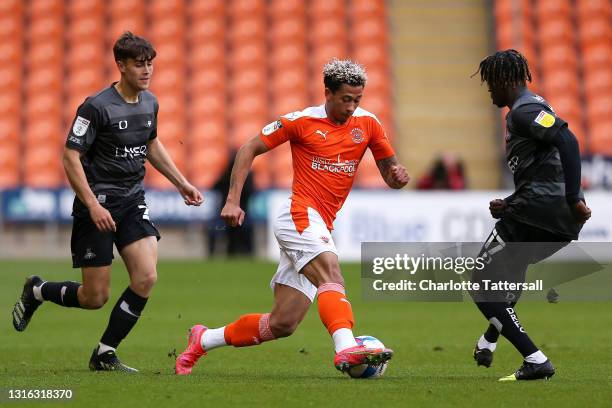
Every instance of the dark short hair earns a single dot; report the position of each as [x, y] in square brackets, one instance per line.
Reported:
[338, 72]
[132, 46]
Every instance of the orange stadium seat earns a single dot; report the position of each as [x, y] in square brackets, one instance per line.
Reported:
[320, 9]
[289, 81]
[289, 30]
[45, 53]
[249, 105]
[248, 54]
[126, 7]
[209, 132]
[329, 29]
[11, 27]
[561, 79]
[169, 29]
[206, 164]
[44, 79]
[206, 54]
[45, 7]
[11, 52]
[85, 8]
[240, 8]
[281, 9]
[85, 29]
[11, 74]
[205, 9]
[593, 8]
[9, 104]
[9, 163]
[372, 55]
[290, 102]
[597, 81]
[245, 129]
[248, 80]
[86, 53]
[281, 166]
[325, 52]
[597, 55]
[41, 165]
[552, 8]
[561, 56]
[261, 173]
[247, 28]
[594, 29]
[205, 29]
[10, 126]
[171, 129]
[553, 30]
[370, 30]
[165, 8]
[168, 79]
[41, 106]
[11, 7]
[361, 9]
[599, 108]
[207, 106]
[289, 55]
[45, 28]
[124, 22]
[601, 137]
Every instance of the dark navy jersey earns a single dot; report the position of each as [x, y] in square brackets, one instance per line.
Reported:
[112, 136]
[539, 197]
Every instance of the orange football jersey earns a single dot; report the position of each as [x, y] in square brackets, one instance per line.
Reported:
[325, 157]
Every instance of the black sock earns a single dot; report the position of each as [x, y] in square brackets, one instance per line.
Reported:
[124, 316]
[61, 293]
[492, 334]
[503, 318]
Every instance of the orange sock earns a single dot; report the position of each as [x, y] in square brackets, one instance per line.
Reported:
[249, 330]
[334, 309]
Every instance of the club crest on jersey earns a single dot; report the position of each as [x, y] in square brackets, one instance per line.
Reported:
[357, 135]
[271, 127]
[545, 119]
[80, 126]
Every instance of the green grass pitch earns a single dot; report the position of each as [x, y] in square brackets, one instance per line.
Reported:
[433, 342]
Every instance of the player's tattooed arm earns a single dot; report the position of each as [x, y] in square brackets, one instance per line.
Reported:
[394, 174]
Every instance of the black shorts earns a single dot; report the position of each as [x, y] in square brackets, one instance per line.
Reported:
[509, 250]
[91, 247]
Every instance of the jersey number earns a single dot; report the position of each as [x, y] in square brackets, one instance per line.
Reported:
[145, 215]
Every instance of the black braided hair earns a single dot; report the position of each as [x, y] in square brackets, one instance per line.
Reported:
[504, 69]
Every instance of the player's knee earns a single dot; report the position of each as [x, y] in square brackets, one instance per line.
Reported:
[145, 282]
[95, 300]
[282, 327]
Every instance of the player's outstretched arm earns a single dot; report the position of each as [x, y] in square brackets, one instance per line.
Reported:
[231, 213]
[100, 216]
[394, 174]
[161, 160]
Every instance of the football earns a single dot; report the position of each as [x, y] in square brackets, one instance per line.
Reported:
[368, 370]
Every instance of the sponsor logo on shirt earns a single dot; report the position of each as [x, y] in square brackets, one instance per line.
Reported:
[133, 152]
[271, 128]
[545, 119]
[340, 166]
[80, 127]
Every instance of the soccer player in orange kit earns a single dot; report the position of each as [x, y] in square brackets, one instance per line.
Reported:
[327, 144]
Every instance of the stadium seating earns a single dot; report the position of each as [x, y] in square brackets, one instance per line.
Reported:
[223, 70]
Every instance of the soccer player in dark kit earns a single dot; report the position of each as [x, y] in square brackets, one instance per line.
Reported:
[113, 134]
[546, 207]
